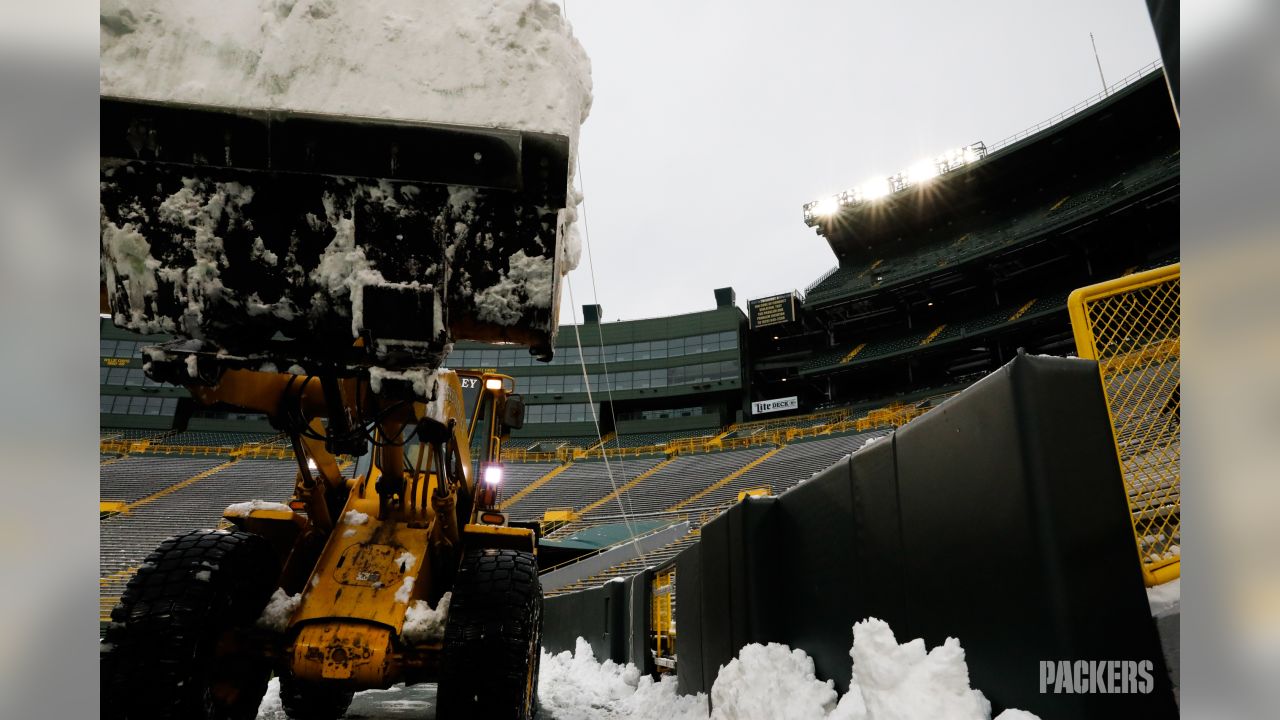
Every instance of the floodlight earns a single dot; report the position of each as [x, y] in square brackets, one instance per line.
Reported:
[826, 207]
[922, 172]
[874, 189]
[493, 474]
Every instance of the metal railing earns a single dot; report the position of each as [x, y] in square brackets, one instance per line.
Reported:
[1132, 327]
[1124, 82]
[809, 288]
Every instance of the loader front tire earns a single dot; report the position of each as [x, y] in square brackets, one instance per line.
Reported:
[492, 638]
[179, 640]
[311, 701]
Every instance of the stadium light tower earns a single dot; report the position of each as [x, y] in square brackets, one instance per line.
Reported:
[918, 174]
[826, 207]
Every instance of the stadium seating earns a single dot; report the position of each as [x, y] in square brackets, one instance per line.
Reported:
[127, 538]
[994, 233]
[518, 476]
[127, 434]
[581, 484]
[884, 347]
[133, 478]
[550, 444]
[631, 440]
[217, 439]
[632, 566]
[678, 479]
[793, 463]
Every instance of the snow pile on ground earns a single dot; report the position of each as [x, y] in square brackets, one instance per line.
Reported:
[275, 616]
[502, 63]
[1165, 599]
[422, 623]
[271, 706]
[573, 686]
[242, 509]
[771, 681]
[902, 682]
[774, 682]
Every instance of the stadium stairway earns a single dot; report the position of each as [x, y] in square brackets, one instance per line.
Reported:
[787, 467]
[580, 484]
[630, 567]
[192, 503]
[622, 491]
[682, 476]
[692, 499]
[522, 478]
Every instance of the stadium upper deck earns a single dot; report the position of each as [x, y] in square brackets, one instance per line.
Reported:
[944, 278]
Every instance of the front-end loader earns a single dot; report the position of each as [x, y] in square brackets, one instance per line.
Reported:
[316, 270]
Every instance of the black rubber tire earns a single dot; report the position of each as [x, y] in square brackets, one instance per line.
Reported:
[163, 656]
[492, 638]
[313, 701]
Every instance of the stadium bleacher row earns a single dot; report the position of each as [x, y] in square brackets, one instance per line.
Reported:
[875, 349]
[992, 235]
[171, 496]
[149, 496]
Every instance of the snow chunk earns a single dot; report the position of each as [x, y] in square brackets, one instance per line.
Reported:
[423, 380]
[260, 252]
[343, 268]
[354, 517]
[422, 623]
[271, 705]
[772, 681]
[904, 682]
[405, 590]
[407, 561]
[244, 508]
[572, 686]
[527, 282]
[128, 253]
[275, 616]
[193, 366]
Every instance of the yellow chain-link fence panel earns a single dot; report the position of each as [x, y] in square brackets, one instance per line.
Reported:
[1132, 327]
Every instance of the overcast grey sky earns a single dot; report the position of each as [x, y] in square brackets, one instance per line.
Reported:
[715, 121]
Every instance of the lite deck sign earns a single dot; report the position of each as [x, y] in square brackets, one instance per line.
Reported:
[767, 406]
[773, 310]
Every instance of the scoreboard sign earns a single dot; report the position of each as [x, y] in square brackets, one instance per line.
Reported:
[768, 406]
[773, 310]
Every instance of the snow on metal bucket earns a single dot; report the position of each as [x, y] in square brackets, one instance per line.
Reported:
[277, 236]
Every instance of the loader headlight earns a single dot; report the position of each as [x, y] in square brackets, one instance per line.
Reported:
[492, 474]
[493, 384]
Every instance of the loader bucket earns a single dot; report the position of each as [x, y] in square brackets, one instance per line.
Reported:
[291, 238]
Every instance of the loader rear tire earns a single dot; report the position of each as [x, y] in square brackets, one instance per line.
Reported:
[311, 701]
[177, 647]
[492, 638]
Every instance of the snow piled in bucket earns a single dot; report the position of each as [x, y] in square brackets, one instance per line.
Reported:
[502, 63]
[774, 682]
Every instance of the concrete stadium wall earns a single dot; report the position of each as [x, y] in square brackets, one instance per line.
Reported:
[999, 517]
